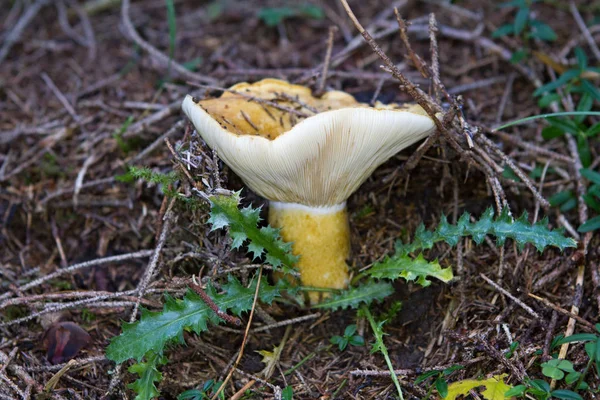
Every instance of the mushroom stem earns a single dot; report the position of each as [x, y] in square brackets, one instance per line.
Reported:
[321, 237]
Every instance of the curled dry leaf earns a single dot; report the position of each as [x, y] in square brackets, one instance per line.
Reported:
[63, 340]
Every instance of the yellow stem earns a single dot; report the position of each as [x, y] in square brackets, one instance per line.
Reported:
[321, 237]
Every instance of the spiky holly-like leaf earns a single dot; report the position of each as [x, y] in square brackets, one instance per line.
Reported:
[365, 293]
[402, 266]
[145, 385]
[242, 223]
[155, 329]
[502, 227]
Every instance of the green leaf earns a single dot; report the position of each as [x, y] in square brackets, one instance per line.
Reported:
[560, 198]
[502, 227]
[516, 391]
[585, 104]
[540, 385]
[402, 266]
[442, 387]
[566, 395]
[504, 30]
[593, 130]
[583, 147]
[521, 20]
[144, 386]
[548, 98]
[365, 293]
[341, 342]
[357, 340]
[563, 79]
[242, 225]
[287, 393]
[591, 89]
[172, 28]
[350, 329]
[590, 225]
[426, 375]
[273, 16]
[551, 132]
[542, 31]
[553, 372]
[572, 377]
[582, 60]
[155, 329]
[518, 56]
[578, 337]
[591, 201]
[590, 175]
[564, 124]
[569, 204]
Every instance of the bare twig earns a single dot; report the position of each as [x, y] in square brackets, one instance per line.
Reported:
[584, 30]
[547, 303]
[15, 32]
[255, 99]
[321, 87]
[163, 59]
[524, 306]
[75, 267]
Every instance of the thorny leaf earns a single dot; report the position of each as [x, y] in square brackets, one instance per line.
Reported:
[242, 225]
[503, 227]
[402, 266]
[155, 329]
[354, 297]
[145, 385]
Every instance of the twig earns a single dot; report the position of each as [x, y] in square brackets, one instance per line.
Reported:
[584, 30]
[255, 99]
[169, 219]
[435, 56]
[158, 142]
[75, 267]
[515, 139]
[510, 296]
[15, 32]
[143, 284]
[518, 171]
[160, 115]
[549, 335]
[321, 87]
[561, 310]
[80, 175]
[163, 59]
[505, 97]
[61, 97]
[275, 325]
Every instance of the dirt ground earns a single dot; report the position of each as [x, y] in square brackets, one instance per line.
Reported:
[87, 89]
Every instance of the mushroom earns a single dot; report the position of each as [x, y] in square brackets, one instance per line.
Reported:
[306, 155]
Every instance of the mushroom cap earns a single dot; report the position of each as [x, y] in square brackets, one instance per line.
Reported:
[317, 160]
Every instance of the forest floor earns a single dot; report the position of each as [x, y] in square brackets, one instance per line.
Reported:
[89, 89]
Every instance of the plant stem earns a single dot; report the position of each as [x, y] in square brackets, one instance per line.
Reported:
[378, 332]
